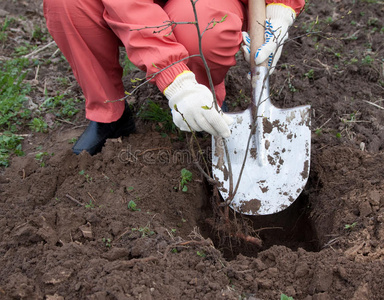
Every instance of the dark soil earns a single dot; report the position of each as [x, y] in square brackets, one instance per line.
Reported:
[66, 230]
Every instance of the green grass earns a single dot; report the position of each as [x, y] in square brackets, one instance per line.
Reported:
[13, 114]
[162, 117]
[9, 144]
[60, 106]
[13, 91]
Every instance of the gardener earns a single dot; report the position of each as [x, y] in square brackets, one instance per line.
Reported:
[90, 32]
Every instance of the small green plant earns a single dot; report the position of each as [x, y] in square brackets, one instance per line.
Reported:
[9, 144]
[367, 60]
[90, 204]
[350, 226]
[107, 242]
[3, 29]
[145, 231]
[87, 176]
[338, 135]
[373, 22]
[311, 26]
[60, 106]
[329, 20]
[128, 66]
[23, 50]
[133, 206]
[201, 254]
[161, 117]
[13, 91]
[40, 157]
[38, 125]
[310, 74]
[72, 140]
[186, 176]
[241, 98]
[291, 87]
[285, 297]
[38, 34]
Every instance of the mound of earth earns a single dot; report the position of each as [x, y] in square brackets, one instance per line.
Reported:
[118, 225]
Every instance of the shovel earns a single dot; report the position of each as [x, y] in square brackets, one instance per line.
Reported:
[268, 152]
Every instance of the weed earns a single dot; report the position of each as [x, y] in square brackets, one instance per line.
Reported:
[367, 60]
[310, 74]
[162, 117]
[186, 176]
[40, 157]
[373, 22]
[285, 297]
[9, 144]
[133, 206]
[350, 226]
[3, 29]
[241, 98]
[87, 176]
[90, 205]
[311, 26]
[145, 231]
[13, 93]
[72, 140]
[201, 253]
[128, 66]
[38, 33]
[61, 108]
[23, 50]
[328, 20]
[107, 242]
[38, 125]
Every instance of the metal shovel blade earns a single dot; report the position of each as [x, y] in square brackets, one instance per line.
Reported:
[272, 160]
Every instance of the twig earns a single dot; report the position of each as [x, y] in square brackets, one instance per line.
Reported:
[74, 200]
[91, 197]
[325, 123]
[4, 58]
[373, 104]
[149, 79]
[195, 161]
[65, 121]
[39, 50]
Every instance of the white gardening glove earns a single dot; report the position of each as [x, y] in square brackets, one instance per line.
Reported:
[279, 19]
[192, 107]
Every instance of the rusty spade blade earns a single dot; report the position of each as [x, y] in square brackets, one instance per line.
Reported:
[270, 164]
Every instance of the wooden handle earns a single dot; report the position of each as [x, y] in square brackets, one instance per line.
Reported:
[256, 11]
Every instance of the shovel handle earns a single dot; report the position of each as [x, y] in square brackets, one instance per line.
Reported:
[256, 11]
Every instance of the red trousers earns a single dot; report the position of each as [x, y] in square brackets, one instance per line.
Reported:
[90, 32]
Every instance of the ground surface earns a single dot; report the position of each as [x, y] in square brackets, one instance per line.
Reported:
[66, 230]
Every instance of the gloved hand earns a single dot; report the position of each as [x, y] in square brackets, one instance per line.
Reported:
[279, 19]
[194, 105]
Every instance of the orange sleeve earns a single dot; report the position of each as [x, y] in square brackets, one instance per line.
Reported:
[296, 5]
[148, 46]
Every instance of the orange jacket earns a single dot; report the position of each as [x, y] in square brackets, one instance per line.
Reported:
[167, 76]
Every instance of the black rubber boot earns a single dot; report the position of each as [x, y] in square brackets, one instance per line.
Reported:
[95, 135]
